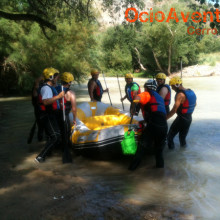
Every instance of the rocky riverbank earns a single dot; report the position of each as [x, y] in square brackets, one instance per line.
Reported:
[199, 71]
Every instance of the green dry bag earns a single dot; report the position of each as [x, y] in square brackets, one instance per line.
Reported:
[128, 144]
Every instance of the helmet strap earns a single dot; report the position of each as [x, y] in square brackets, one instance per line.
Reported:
[51, 77]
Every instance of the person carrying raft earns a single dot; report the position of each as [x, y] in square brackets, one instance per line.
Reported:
[163, 90]
[48, 99]
[69, 105]
[155, 132]
[185, 102]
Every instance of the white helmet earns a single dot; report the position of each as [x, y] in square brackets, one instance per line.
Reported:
[151, 84]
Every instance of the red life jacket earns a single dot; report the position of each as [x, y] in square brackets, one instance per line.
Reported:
[154, 107]
[168, 96]
[48, 108]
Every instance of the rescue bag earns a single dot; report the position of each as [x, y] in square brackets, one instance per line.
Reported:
[128, 144]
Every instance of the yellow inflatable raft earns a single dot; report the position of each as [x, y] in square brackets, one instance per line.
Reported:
[100, 125]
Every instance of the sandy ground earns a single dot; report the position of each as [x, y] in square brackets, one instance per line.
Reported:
[86, 189]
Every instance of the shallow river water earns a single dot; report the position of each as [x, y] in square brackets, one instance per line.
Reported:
[187, 188]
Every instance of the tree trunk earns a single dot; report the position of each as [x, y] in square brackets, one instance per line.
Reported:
[139, 60]
[157, 62]
[170, 50]
[169, 60]
[27, 17]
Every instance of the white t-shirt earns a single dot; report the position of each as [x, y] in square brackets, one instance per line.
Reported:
[46, 92]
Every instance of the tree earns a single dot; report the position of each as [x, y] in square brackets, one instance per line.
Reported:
[42, 11]
[25, 52]
[118, 47]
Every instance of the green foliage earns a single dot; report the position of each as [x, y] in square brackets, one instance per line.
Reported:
[209, 43]
[209, 58]
[158, 40]
[161, 44]
[115, 6]
[8, 39]
[69, 49]
[117, 48]
[75, 46]
[78, 45]
[9, 32]
[144, 74]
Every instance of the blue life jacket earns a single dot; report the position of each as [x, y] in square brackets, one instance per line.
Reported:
[189, 105]
[128, 91]
[154, 109]
[156, 103]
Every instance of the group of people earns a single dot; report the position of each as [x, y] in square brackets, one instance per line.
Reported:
[52, 105]
[154, 102]
[51, 115]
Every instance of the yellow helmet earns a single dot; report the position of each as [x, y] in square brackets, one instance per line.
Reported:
[176, 80]
[94, 72]
[49, 73]
[45, 70]
[67, 77]
[129, 76]
[161, 76]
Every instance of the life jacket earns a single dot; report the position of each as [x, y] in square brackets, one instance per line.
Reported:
[48, 108]
[189, 105]
[168, 96]
[155, 106]
[129, 93]
[67, 104]
[97, 93]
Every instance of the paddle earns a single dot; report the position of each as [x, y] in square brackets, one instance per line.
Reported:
[67, 157]
[120, 93]
[31, 134]
[106, 88]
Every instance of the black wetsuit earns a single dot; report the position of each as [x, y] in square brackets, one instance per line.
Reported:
[183, 120]
[37, 115]
[50, 116]
[155, 132]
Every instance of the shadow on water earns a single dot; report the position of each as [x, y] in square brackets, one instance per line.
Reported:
[94, 188]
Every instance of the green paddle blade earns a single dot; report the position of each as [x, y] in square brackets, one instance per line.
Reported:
[128, 144]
